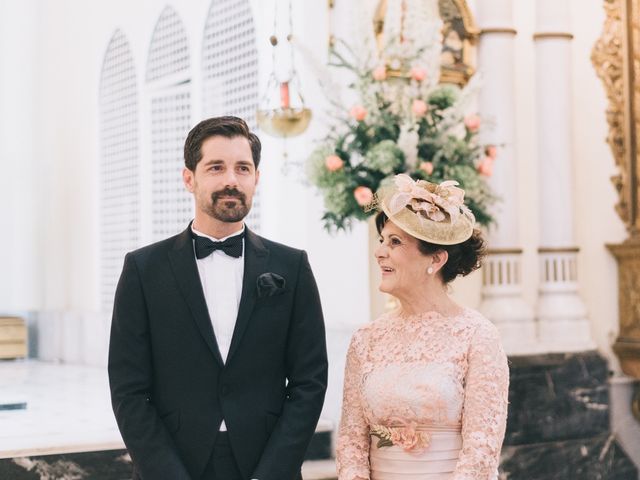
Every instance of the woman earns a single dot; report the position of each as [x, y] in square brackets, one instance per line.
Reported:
[425, 390]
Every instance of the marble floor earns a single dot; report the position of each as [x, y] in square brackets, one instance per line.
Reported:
[67, 409]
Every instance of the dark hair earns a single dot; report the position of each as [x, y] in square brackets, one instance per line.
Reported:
[464, 257]
[228, 127]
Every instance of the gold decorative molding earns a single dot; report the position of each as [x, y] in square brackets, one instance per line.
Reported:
[556, 35]
[616, 58]
[558, 250]
[608, 58]
[504, 251]
[505, 30]
[627, 344]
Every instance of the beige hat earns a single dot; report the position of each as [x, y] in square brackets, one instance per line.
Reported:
[435, 213]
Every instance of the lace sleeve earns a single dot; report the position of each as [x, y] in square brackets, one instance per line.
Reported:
[484, 413]
[352, 458]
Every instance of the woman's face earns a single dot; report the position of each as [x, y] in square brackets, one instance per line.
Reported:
[403, 266]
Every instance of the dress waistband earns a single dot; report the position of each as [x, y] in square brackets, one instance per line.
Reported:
[425, 427]
[410, 436]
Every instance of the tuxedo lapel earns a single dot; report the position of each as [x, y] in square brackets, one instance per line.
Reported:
[183, 263]
[255, 263]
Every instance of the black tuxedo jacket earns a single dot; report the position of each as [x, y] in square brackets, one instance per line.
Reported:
[170, 389]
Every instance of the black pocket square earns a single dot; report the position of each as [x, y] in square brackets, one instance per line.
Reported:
[270, 284]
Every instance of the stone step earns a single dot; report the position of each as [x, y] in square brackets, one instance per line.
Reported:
[319, 470]
[112, 465]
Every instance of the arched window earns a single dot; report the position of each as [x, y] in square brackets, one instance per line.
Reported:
[230, 69]
[168, 82]
[119, 165]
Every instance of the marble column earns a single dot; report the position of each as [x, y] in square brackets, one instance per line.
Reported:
[562, 316]
[502, 299]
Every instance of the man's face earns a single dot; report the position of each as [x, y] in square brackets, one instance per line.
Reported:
[225, 179]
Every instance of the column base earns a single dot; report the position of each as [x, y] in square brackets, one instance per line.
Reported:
[565, 335]
[514, 319]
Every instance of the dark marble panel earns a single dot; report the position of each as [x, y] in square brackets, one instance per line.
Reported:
[596, 458]
[557, 397]
[104, 465]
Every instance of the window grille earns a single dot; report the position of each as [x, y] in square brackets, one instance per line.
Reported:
[119, 165]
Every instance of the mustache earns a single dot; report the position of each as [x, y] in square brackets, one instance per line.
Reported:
[228, 192]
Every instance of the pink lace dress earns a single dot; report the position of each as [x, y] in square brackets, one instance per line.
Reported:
[425, 397]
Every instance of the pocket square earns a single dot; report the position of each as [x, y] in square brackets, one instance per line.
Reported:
[270, 284]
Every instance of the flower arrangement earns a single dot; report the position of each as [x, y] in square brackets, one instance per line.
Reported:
[402, 121]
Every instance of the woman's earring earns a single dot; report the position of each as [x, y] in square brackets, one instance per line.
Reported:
[430, 270]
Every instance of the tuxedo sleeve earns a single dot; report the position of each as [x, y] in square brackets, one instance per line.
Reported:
[130, 377]
[306, 363]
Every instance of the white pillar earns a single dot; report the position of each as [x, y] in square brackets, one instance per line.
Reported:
[562, 316]
[502, 299]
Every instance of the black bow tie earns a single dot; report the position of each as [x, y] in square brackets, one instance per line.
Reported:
[232, 246]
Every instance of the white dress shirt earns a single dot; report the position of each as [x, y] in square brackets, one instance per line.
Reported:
[221, 278]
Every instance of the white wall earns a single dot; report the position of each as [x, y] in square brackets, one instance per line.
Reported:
[21, 178]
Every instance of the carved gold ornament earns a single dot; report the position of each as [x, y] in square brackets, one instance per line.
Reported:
[616, 58]
[608, 59]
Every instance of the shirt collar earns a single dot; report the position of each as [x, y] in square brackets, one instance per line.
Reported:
[197, 232]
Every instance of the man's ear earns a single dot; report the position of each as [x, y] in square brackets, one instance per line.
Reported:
[187, 178]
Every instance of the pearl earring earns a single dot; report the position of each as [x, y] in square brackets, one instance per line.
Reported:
[430, 270]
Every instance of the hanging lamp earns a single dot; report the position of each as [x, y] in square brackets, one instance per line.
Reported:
[282, 111]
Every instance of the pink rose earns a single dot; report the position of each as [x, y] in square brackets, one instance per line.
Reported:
[358, 112]
[485, 167]
[491, 151]
[427, 167]
[363, 195]
[418, 74]
[472, 122]
[380, 73]
[419, 107]
[333, 163]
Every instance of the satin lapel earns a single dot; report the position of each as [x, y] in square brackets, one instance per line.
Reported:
[183, 263]
[255, 263]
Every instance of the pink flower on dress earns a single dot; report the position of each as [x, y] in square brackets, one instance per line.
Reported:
[358, 112]
[418, 74]
[419, 107]
[363, 195]
[333, 163]
[472, 123]
[380, 73]
[427, 167]
[408, 437]
[485, 167]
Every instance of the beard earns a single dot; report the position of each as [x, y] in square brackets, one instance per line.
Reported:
[225, 210]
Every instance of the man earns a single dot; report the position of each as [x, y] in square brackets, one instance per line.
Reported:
[217, 359]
